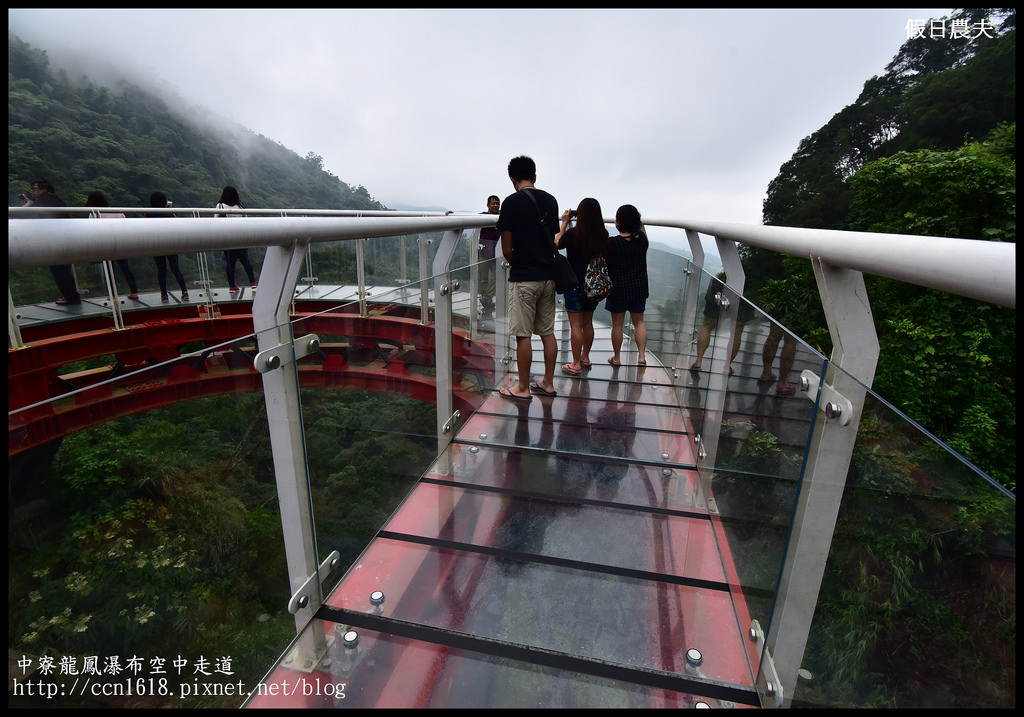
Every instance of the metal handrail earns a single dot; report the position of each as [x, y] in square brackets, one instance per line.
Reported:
[977, 269]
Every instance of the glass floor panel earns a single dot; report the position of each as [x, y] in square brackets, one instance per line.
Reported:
[567, 558]
[387, 671]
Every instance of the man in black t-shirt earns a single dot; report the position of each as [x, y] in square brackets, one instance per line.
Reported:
[528, 227]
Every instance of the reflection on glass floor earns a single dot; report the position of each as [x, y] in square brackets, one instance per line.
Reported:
[568, 559]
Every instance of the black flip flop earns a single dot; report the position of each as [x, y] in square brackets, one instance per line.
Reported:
[539, 390]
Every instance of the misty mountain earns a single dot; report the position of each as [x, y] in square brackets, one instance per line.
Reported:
[129, 141]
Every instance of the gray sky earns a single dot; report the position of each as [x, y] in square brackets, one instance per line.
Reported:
[686, 114]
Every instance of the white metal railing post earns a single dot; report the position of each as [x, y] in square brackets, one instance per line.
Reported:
[852, 327]
[205, 283]
[696, 248]
[474, 280]
[115, 300]
[693, 290]
[729, 253]
[424, 242]
[14, 340]
[404, 271]
[502, 346]
[361, 276]
[276, 362]
[444, 289]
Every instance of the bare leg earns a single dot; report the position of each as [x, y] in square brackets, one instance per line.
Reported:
[768, 351]
[786, 365]
[704, 340]
[576, 338]
[737, 338]
[617, 321]
[524, 360]
[550, 344]
[588, 337]
[640, 336]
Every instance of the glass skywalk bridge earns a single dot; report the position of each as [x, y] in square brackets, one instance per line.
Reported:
[651, 536]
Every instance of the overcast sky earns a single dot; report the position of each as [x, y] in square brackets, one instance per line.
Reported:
[686, 114]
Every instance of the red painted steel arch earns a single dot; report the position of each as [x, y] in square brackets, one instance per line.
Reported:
[155, 355]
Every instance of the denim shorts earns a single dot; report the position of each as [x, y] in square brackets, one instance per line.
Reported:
[576, 302]
[633, 307]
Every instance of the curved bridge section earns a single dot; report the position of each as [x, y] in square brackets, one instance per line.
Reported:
[168, 355]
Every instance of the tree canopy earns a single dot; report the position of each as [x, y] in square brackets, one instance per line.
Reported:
[950, 362]
[929, 148]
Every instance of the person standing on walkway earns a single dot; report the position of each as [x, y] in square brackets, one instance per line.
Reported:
[44, 195]
[711, 313]
[99, 199]
[158, 200]
[771, 346]
[583, 242]
[627, 265]
[229, 200]
[489, 238]
[527, 222]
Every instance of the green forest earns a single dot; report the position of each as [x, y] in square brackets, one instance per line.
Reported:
[927, 148]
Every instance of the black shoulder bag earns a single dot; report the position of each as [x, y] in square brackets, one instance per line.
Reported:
[565, 278]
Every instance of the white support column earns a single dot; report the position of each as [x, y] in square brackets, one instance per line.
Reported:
[502, 347]
[474, 281]
[855, 342]
[14, 339]
[361, 276]
[270, 312]
[693, 290]
[696, 247]
[115, 300]
[444, 288]
[424, 242]
[403, 279]
[731, 264]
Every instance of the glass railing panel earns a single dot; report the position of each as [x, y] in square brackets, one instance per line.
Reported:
[387, 261]
[144, 507]
[477, 361]
[368, 413]
[331, 264]
[754, 435]
[918, 603]
[710, 322]
[371, 420]
[203, 276]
